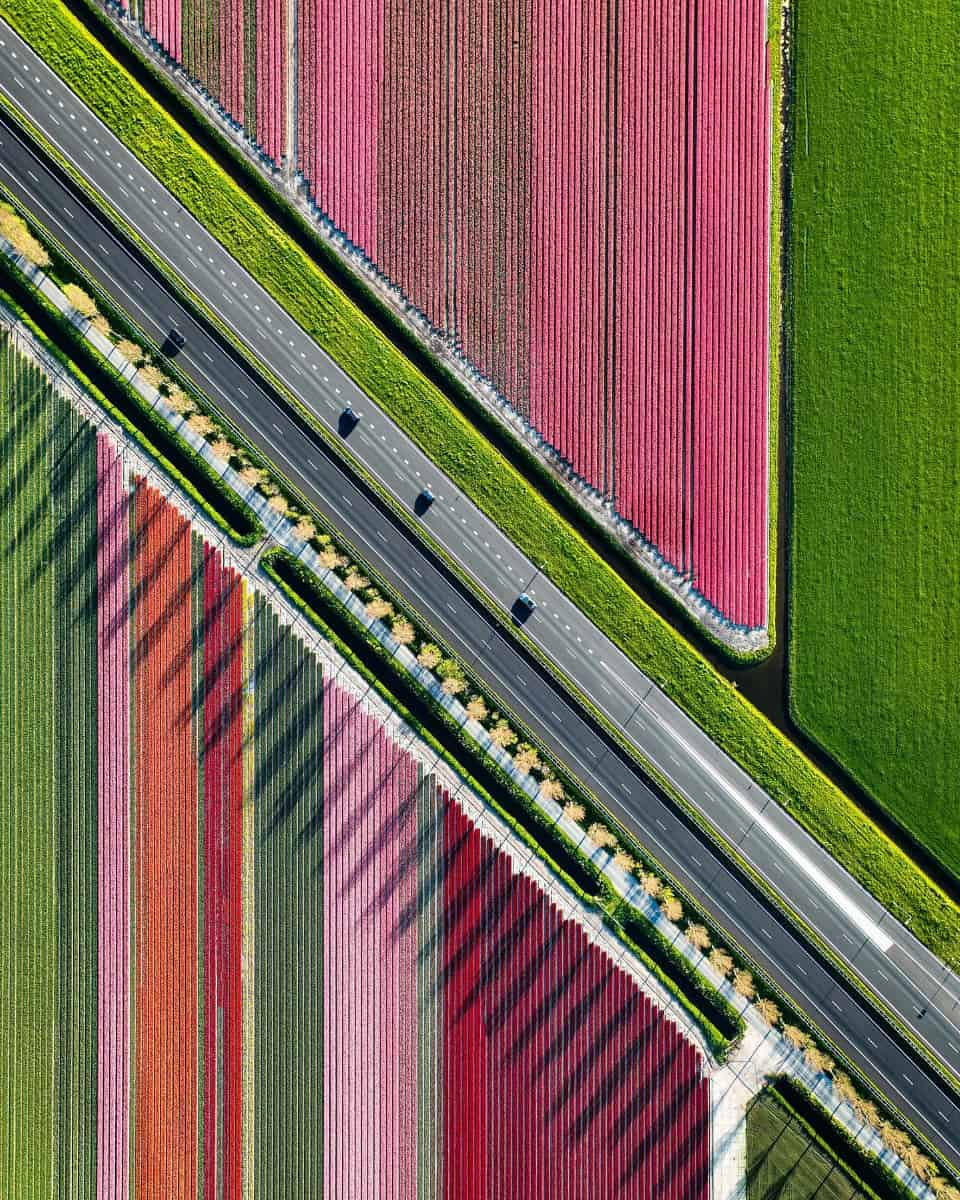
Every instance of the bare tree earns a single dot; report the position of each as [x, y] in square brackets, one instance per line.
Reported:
[651, 885]
[893, 1138]
[843, 1086]
[918, 1163]
[798, 1038]
[429, 656]
[698, 937]
[377, 607]
[601, 835]
[743, 984]
[151, 375]
[526, 758]
[402, 630]
[201, 425]
[305, 529]
[15, 230]
[573, 810]
[626, 862]
[551, 789]
[817, 1061]
[331, 559]
[354, 581]
[721, 961]
[79, 301]
[502, 735]
[767, 1011]
[670, 906]
[130, 351]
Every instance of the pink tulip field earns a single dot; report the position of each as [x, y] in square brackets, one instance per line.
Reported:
[280, 957]
[582, 205]
[578, 200]
[236, 51]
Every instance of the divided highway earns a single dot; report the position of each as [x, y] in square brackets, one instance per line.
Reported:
[912, 982]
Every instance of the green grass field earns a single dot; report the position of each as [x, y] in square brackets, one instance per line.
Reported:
[876, 425]
[783, 1163]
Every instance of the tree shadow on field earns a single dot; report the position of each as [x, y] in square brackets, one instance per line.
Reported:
[279, 738]
[73, 488]
[27, 450]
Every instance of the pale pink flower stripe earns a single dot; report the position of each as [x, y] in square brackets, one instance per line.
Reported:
[369, 978]
[113, 826]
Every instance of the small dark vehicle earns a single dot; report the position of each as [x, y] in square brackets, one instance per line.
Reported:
[523, 606]
[348, 421]
[423, 501]
[173, 343]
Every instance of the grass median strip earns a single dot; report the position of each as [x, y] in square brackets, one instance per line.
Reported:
[497, 488]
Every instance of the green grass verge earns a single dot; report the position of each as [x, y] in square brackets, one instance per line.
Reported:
[451, 441]
[28, 792]
[287, 756]
[875, 603]
[809, 1116]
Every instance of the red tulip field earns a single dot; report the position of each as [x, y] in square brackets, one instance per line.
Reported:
[280, 958]
[578, 196]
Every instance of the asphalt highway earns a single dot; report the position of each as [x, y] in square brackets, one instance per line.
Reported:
[911, 981]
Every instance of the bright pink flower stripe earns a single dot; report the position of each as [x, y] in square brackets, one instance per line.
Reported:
[369, 978]
[162, 20]
[340, 64]
[561, 1078]
[271, 117]
[585, 210]
[730, 354]
[113, 826]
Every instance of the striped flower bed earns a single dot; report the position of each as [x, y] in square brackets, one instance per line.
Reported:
[291, 964]
[165, 843]
[236, 51]
[578, 195]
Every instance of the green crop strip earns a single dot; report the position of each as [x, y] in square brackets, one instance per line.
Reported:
[28, 820]
[525, 516]
[74, 498]
[288, 922]
[784, 1159]
[875, 599]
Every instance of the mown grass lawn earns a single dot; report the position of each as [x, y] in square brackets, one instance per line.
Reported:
[876, 396]
[783, 1163]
